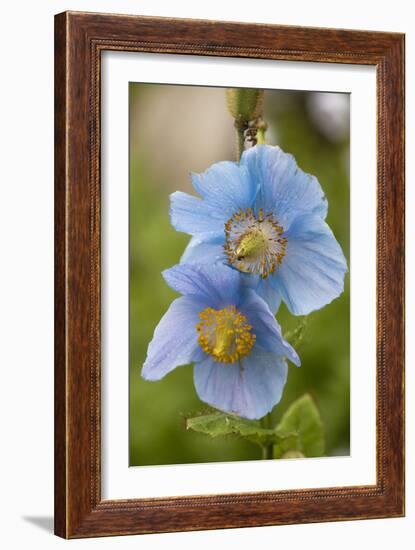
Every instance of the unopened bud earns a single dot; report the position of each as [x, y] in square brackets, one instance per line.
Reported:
[244, 104]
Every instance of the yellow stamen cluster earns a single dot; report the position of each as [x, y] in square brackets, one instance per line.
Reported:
[254, 244]
[225, 334]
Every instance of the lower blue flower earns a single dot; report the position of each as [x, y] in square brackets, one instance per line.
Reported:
[229, 333]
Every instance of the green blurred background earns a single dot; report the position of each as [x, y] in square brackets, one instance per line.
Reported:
[178, 129]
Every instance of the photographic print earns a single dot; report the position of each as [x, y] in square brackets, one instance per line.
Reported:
[239, 274]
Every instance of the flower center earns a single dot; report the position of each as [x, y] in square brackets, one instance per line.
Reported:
[225, 334]
[254, 244]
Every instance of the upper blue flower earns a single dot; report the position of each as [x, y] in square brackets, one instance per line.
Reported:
[228, 331]
[264, 217]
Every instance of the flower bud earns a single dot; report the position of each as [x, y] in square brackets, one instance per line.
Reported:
[244, 104]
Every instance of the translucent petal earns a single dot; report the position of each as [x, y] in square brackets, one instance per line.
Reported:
[312, 272]
[199, 252]
[196, 217]
[174, 341]
[219, 285]
[265, 326]
[226, 186]
[249, 389]
[284, 189]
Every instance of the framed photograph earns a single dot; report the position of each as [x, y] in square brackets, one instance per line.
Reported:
[229, 275]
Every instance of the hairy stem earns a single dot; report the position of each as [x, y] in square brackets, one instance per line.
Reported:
[267, 450]
[240, 141]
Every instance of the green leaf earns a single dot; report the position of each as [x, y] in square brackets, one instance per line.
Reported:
[221, 424]
[303, 419]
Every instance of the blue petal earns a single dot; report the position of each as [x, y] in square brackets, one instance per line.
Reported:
[218, 287]
[175, 339]
[249, 390]
[226, 186]
[265, 289]
[195, 216]
[199, 252]
[284, 189]
[265, 326]
[312, 271]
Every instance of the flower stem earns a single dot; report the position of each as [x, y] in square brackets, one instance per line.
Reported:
[266, 421]
[267, 450]
[240, 140]
[261, 129]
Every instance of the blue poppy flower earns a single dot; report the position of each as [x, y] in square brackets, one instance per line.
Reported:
[265, 218]
[229, 333]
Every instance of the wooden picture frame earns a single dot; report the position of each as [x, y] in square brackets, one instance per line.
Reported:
[79, 40]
